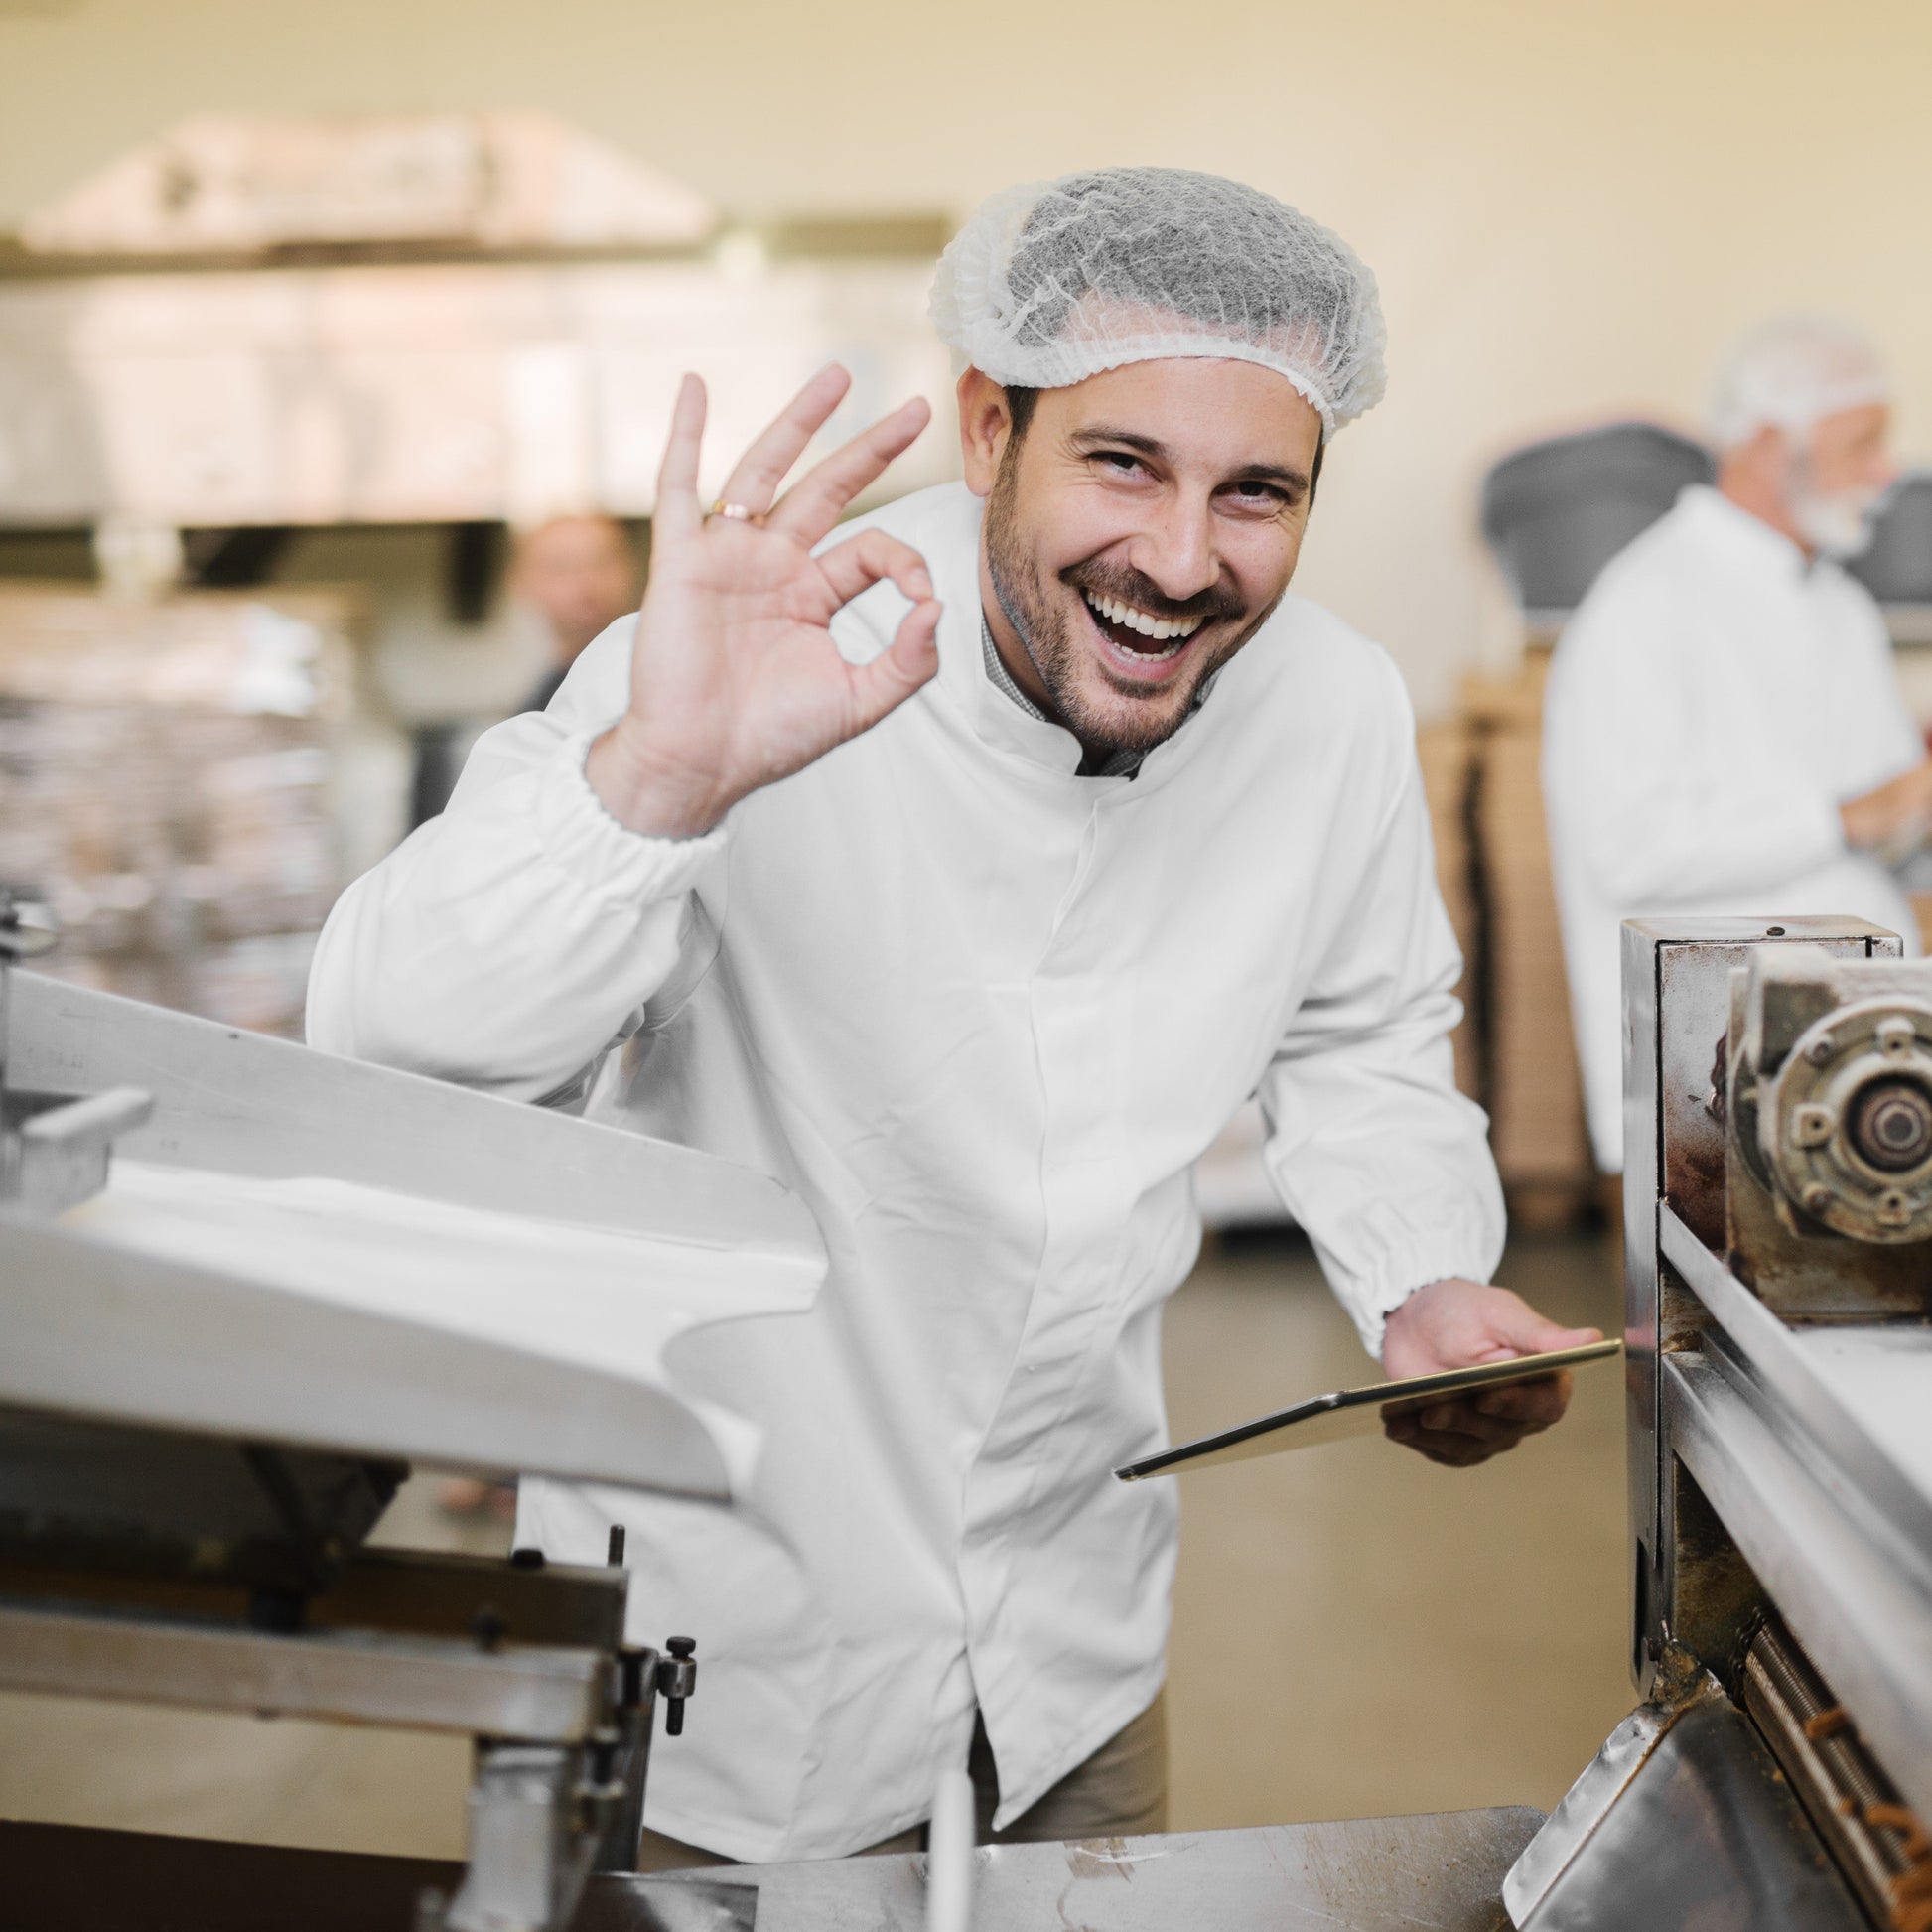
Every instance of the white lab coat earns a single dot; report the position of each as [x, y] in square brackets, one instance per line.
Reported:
[984, 1014]
[1711, 704]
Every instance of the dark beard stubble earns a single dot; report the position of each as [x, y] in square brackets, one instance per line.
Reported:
[1042, 628]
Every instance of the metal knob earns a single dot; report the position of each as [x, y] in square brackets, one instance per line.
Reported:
[677, 1678]
[26, 929]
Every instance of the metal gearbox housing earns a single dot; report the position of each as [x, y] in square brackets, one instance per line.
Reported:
[1777, 1195]
[1844, 1115]
[1827, 1118]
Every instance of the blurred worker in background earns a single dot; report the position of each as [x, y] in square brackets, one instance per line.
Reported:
[572, 577]
[578, 575]
[1052, 828]
[1723, 730]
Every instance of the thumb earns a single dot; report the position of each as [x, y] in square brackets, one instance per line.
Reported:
[1519, 1328]
[891, 677]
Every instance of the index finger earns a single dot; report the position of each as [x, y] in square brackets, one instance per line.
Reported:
[676, 510]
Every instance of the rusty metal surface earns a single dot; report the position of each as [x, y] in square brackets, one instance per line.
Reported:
[1880, 1845]
[1676, 1018]
[1694, 992]
[1836, 1575]
[1438, 1872]
[1822, 1223]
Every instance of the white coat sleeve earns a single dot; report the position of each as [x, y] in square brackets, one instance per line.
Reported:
[1381, 1161]
[1870, 731]
[509, 942]
[1654, 817]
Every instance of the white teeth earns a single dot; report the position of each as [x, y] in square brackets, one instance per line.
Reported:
[1159, 630]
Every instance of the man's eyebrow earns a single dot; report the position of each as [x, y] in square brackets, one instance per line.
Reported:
[1095, 434]
[1280, 473]
[1103, 432]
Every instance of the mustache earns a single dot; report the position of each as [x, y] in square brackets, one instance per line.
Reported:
[1131, 587]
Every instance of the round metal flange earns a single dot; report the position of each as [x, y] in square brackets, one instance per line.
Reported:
[1846, 1124]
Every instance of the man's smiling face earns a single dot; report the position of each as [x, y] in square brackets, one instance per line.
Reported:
[1139, 532]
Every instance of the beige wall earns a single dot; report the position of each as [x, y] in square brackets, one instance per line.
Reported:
[1569, 206]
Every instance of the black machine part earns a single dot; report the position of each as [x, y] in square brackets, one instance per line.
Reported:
[1896, 566]
[1556, 513]
[147, 1502]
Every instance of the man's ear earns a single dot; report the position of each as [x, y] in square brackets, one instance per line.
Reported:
[985, 424]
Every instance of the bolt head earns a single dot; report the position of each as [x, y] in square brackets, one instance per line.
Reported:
[1820, 1050]
[1817, 1198]
[1895, 1035]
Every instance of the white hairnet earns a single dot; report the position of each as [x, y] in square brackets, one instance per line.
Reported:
[1791, 373]
[1054, 282]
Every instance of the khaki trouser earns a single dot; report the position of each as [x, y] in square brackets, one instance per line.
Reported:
[1119, 1792]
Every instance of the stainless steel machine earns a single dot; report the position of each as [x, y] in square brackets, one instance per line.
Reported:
[1778, 1279]
[193, 1447]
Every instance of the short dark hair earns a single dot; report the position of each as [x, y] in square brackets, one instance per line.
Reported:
[1020, 402]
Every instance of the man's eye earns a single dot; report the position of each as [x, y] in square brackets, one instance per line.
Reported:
[1119, 462]
[1258, 495]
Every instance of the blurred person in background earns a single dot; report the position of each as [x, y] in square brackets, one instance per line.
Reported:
[1054, 828]
[570, 575]
[577, 575]
[1723, 732]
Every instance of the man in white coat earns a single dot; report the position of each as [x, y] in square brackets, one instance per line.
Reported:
[1722, 732]
[918, 864]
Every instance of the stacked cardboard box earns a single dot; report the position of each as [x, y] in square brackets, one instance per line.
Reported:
[1525, 1048]
[1446, 753]
[164, 788]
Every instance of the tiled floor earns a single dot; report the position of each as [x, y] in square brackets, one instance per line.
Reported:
[1356, 1630]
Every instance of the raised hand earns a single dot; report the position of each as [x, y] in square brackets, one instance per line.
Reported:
[735, 681]
[1456, 1324]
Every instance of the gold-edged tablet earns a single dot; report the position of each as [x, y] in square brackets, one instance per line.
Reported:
[1357, 1411]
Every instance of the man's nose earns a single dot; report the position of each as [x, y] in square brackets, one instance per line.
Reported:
[1177, 555]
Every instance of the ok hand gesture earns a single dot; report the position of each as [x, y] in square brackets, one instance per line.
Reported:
[735, 681]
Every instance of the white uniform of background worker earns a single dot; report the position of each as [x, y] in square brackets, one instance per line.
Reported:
[1723, 729]
[1007, 919]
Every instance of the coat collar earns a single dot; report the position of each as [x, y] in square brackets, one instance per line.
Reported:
[1748, 539]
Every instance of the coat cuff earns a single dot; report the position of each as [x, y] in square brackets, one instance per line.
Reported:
[1371, 1303]
[612, 861]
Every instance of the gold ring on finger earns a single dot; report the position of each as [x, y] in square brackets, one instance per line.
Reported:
[737, 512]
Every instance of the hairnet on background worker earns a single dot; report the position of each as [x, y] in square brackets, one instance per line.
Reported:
[1014, 897]
[1723, 732]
